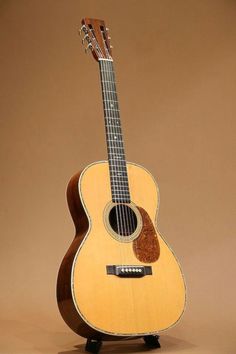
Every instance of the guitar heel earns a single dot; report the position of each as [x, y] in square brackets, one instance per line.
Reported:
[152, 342]
[93, 346]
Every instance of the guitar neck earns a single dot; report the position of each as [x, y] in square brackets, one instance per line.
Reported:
[115, 145]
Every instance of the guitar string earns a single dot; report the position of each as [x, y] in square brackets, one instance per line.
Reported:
[125, 249]
[115, 141]
[100, 55]
[119, 206]
[119, 164]
[120, 153]
[129, 217]
[108, 131]
[129, 212]
[107, 128]
[105, 103]
[116, 127]
[106, 108]
[128, 220]
[113, 169]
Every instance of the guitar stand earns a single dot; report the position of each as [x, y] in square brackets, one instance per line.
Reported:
[94, 345]
[152, 342]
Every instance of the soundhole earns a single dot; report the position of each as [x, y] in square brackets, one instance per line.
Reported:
[123, 220]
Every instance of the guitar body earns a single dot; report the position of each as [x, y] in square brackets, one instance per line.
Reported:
[97, 304]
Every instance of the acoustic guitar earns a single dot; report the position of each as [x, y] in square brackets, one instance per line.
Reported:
[119, 279]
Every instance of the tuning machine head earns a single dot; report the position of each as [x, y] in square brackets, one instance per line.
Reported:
[84, 29]
[89, 46]
[86, 37]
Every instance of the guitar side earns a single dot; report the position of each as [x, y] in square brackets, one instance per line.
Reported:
[86, 295]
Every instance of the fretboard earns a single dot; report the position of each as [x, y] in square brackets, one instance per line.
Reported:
[115, 146]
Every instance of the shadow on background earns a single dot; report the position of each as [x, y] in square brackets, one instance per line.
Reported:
[168, 345]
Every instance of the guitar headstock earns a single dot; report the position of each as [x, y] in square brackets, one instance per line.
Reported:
[96, 38]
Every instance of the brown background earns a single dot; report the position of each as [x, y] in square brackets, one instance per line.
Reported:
[175, 67]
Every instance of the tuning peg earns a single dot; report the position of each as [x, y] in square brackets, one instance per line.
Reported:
[83, 28]
[109, 38]
[86, 37]
[89, 46]
[107, 29]
[111, 46]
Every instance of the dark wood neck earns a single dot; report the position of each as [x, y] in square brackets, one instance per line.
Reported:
[115, 145]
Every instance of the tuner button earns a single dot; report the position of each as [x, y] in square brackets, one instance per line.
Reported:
[89, 46]
[107, 29]
[85, 38]
[83, 28]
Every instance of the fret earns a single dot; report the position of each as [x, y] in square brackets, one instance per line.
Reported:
[120, 190]
[115, 153]
[113, 82]
[121, 194]
[105, 91]
[107, 86]
[111, 133]
[109, 106]
[112, 103]
[110, 121]
[125, 189]
[113, 118]
[113, 129]
[119, 179]
[119, 183]
[115, 133]
[112, 110]
[112, 126]
[115, 140]
[118, 159]
[121, 200]
[106, 71]
[109, 92]
[121, 172]
[118, 174]
[115, 186]
[117, 163]
[118, 169]
[117, 195]
[116, 148]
